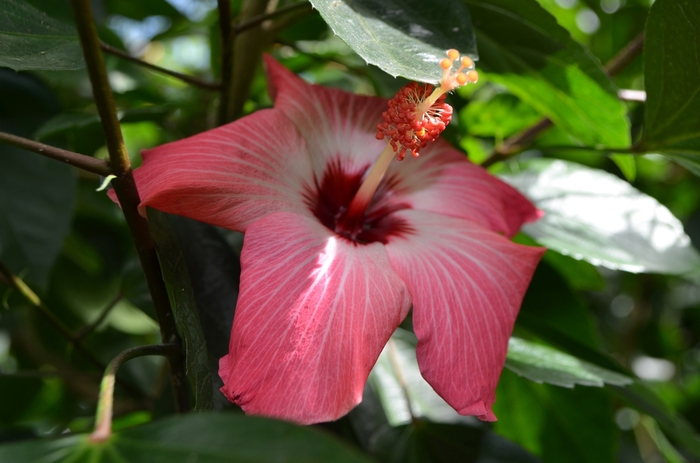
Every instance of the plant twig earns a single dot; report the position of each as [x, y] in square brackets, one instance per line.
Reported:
[625, 56]
[226, 36]
[244, 25]
[127, 194]
[103, 417]
[183, 77]
[88, 163]
[87, 329]
[518, 141]
[17, 284]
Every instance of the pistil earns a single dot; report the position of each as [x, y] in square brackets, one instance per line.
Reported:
[416, 116]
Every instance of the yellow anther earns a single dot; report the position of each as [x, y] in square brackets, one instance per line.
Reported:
[467, 62]
[445, 63]
[461, 78]
[473, 76]
[453, 54]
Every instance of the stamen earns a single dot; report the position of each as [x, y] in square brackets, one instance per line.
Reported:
[417, 115]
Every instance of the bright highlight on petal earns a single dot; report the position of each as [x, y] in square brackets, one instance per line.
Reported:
[313, 315]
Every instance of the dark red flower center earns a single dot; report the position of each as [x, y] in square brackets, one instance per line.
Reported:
[330, 197]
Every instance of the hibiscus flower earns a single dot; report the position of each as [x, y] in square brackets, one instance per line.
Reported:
[321, 294]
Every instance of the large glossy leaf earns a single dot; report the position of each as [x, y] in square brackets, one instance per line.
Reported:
[523, 48]
[37, 194]
[672, 80]
[595, 216]
[32, 40]
[214, 272]
[557, 424]
[201, 438]
[403, 37]
[543, 364]
[185, 310]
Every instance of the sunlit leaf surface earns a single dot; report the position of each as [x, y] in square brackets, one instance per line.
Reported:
[544, 364]
[592, 215]
[404, 38]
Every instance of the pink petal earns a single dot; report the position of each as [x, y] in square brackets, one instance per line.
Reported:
[232, 175]
[336, 124]
[442, 180]
[467, 284]
[314, 312]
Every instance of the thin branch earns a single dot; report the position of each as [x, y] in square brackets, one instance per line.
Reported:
[87, 329]
[127, 194]
[517, 142]
[625, 56]
[244, 25]
[183, 77]
[17, 284]
[226, 37]
[103, 417]
[88, 163]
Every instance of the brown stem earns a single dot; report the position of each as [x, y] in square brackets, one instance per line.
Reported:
[88, 163]
[625, 56]
[517, 142]
[17, 284]
[103, 417]
[127, 194]
[244, 25]
[226, 34]
[183, 77]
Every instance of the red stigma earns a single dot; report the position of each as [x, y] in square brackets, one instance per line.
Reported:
[410, 128]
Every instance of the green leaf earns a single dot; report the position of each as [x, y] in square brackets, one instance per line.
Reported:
[403, 392]
[557, 424]
[204, 438]
[523, 48]
[499, 117]
[637, 394]
[37, 194]
[427, 442]
[214, 273]
[403, 37]
[184, 307]
[595, 216]
[672, 80]
[627, 164]
[543, 364]
[32, 40]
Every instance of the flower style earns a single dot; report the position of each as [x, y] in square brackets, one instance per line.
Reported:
[323, 288]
